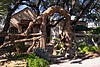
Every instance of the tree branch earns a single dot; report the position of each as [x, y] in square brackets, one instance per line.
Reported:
[56, 22]
[57, 2]
[32, 6]
[38, 11]
[73, 5]
[21, 40]
[44, 5]
[67, 3]
[82, 12]
[10, 12]
[83, 2]
[17, 35]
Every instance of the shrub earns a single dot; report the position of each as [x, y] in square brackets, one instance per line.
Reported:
[32, 60]
[95, 31]
[21, 46]
[42, 53]
[83, 48]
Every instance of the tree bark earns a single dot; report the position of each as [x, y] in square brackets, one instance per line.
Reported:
[42, 18]
[67, 28]
[44, 34]
[7, 22]
[5, 29]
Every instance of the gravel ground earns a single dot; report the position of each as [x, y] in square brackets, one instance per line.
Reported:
[78, 63]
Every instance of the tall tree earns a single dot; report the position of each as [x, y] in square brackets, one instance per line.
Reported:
[78, 8]
[8, 8]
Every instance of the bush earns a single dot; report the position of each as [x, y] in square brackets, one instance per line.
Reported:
[32, 60]
[20, 46]
[83, 48]
[42, 53]
[95, 31]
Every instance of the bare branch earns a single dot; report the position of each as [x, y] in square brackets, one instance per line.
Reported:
[83, 2]
[56, 22]
[44, 5]
[67, 4]
[32, 6]
[82, 12]
[39, 2]
[10, 12]
[38, 11]
[35, 34]
[57, 2]
[73, 3]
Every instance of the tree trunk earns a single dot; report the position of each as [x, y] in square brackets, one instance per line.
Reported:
[8, 18]
[43, 17]
[67, 28]
[6, 27]
[7, 22]
[44, 34]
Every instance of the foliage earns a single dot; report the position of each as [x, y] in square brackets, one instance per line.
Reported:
[95, 31]
[20, 46]
[84, 48]
[42, 53]
[32, 60]
[39, 6]
[60, 46]
[4, 7]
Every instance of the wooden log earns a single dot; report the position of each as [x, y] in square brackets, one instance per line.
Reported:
[29, 49]
[77, 34]
[35, 34]
[38, 34]
[21, 40]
